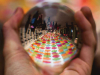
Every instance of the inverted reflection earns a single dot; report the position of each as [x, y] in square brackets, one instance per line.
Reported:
[50, 35]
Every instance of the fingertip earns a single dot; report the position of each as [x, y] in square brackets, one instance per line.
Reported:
[86, 11]
[81, 21]
[14, 21]
[19, 9]
[89, 16]
[17, 17]
[19, 13]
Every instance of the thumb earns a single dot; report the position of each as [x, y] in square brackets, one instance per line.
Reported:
[10, 33]
[17, 60]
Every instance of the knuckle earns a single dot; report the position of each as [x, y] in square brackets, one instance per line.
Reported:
[6, 27]
[87, 11]
[10, 25]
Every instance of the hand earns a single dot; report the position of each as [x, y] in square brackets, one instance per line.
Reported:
[83, 64]
[18, 62]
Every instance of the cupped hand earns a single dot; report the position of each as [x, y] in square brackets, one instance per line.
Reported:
[18, 62]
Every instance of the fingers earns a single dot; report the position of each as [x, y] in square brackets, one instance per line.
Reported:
[86, 28]
[88, 37]
[83, 64]
[88, 14]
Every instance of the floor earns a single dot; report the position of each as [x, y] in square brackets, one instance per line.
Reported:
[96, 65]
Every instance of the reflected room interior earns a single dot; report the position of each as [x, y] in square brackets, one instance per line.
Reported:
[50, 35]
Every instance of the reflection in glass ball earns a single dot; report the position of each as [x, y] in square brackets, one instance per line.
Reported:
[50, 35]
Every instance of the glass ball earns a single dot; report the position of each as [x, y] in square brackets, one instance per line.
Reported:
[50, 36]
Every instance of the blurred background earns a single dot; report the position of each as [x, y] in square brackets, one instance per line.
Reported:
[7, 8]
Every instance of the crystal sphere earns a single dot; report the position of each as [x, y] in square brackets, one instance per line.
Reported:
[50, 36]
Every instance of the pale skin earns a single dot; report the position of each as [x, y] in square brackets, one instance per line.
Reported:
[18, 62]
